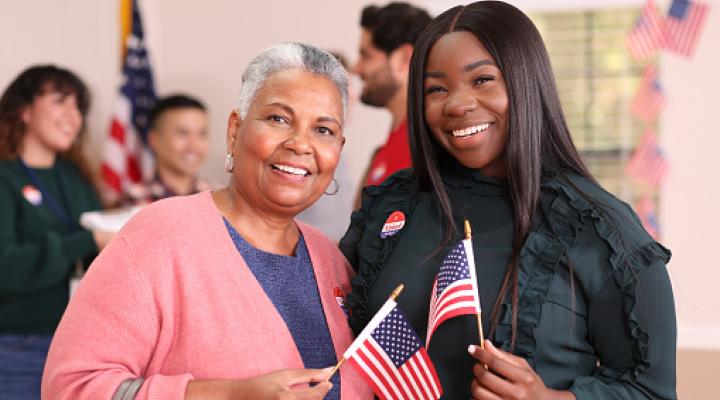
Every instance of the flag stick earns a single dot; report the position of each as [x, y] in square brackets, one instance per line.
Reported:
[468, 236]
[337, 367]
[394, 295]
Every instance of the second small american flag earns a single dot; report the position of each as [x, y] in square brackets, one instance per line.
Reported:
[455, 290]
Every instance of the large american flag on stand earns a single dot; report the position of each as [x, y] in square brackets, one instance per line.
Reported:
[684, 24]
[391, 358]
[648, 163]
[650, 98]
[648, 34]
[127, 158]
[455, 289]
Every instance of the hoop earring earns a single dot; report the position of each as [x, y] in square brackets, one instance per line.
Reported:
[335, 190]
[229, 163]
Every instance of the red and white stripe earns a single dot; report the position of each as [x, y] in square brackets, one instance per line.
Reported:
[459, 298]
[415, 379]
[647, 162]
[126, 160]
[645, 39]
[649, 99]
[684, 34]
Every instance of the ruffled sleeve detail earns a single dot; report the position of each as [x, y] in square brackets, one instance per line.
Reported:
[631, 250]
[361, 246]
[538, 260]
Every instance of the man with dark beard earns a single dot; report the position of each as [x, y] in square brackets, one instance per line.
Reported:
[386, 46]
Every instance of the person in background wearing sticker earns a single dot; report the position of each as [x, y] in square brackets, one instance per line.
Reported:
[386, 45]
[45, 185]
[575, 294]
[224, 294]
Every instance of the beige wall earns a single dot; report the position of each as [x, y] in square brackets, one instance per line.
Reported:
[198, 49]
[689, 211]
[203, 49]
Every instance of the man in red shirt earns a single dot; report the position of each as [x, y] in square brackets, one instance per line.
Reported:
[386, 46]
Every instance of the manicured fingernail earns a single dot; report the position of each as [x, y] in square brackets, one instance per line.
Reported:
[328, 369]
[471, 348]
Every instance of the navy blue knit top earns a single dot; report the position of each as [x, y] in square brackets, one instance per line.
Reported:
[289, 282]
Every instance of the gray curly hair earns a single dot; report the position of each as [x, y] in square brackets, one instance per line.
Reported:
[290, 56]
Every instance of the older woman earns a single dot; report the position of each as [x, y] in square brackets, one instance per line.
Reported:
[576, 295]
[223, 295]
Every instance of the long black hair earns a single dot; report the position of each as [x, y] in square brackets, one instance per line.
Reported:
[538, 139]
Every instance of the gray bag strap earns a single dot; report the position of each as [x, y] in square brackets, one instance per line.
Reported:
[128, 389]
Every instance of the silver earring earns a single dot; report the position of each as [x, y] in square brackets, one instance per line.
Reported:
[335, 190]
[229, 163]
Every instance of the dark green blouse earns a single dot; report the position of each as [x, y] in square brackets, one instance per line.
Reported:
[37, 250]
[596, 311]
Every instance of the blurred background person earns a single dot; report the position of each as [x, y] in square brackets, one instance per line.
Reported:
[178, 137]
[231, 298]
[45, 184]
[386, 46]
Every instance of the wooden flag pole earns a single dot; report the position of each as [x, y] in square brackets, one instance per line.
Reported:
[394, 295]
[468, 236]
[337, 367]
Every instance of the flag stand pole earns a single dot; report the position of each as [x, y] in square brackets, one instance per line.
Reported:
[468, 236]
[394, 295]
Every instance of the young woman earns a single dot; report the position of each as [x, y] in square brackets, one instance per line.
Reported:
[576, 297]
[44, 186]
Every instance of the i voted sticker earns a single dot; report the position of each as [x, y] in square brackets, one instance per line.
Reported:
[393, 224]
[32, 195]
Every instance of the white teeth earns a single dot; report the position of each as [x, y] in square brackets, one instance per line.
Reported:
[469, 131]
[291, 170]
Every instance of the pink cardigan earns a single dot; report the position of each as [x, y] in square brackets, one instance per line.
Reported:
[170, 299]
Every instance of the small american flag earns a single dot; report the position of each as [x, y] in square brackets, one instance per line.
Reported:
[391, 358]
[648, 34]
[645, 208]
[649, 99]
[455, 290]
[648, 163]
[126, 157]
[684, 24]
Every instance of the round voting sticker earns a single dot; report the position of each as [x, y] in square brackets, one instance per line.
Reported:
[32, 195]
[393, 224]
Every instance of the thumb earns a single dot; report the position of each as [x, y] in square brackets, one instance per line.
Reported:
[322, 375]
[316, 392]
[300, 376]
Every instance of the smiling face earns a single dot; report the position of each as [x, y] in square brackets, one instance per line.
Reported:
[466, 102]
[180, 141]
[287, 147]
[52, 121]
